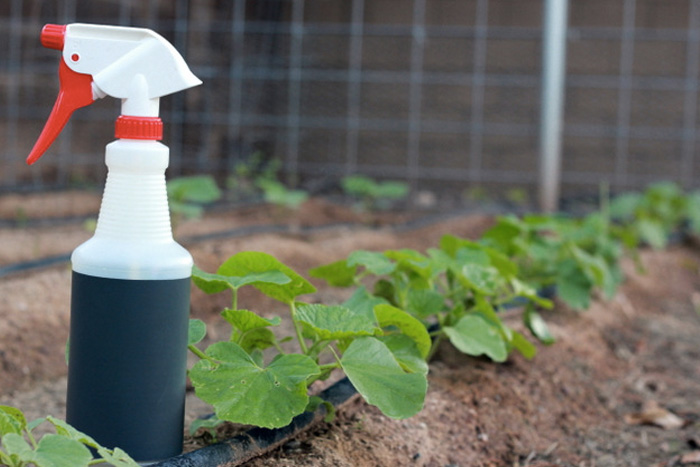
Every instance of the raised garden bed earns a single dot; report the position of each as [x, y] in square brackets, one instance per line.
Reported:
[570, 405]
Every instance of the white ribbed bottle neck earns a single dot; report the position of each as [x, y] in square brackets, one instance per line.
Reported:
[135, 201]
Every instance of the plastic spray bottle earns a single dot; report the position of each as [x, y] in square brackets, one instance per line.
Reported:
[131, 280]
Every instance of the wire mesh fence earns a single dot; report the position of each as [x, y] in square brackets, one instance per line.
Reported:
[441, 93]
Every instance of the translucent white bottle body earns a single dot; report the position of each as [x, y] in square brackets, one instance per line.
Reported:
[133, 239]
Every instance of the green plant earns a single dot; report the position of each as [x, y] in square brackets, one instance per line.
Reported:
[578, 256]
[67, 447]
[460, 287]
[381, 349]
[276, 193]
[187, 194]
[651, 216]
[371, 194]
[248, 172]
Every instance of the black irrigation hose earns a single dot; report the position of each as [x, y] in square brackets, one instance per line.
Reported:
[258, 441]
[32, 265]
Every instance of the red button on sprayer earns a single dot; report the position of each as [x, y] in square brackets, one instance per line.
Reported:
[128, 127]
[53, 36]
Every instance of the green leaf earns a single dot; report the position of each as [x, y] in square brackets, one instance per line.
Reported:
[253, 263]
[378, 377]
[52, 451]
[58, 451]
[415, 262]
[208, 424]
[11, 420]
[388, 315]
[196, 331]
[406, 352]
[392, 190]
[522, 345]
[502, 263]
[374, 262]
[573, 287]
[337, 274]
[483, 279]
[198, 189]
[363, 302]
[424, 302]
[652, 232]
[473, 335]
[243, 392]
[537, 326]
[522, 289]
[315, 402]
[502, 234]
[336, 322]
[624, 206]
[114, 456]
[215, 283]
[16, 445]
[246, 320]
[255, 339]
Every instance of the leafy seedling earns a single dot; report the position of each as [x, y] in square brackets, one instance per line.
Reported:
[252, 379]
[372, 195]
[67, 447]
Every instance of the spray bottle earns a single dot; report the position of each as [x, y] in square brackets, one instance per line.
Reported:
[131, 280]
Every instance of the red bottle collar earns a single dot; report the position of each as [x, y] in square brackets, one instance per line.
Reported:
[129, 127]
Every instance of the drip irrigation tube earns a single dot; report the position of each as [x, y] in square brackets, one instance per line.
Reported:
[419, 222]
[258, 441]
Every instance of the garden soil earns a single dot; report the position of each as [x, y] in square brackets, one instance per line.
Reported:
[620, 387]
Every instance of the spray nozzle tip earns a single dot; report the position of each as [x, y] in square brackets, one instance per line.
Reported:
[53, 36]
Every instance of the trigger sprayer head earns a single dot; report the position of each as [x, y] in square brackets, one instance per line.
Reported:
[135, 65]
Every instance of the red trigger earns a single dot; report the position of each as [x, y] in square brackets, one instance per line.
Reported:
[75, 92]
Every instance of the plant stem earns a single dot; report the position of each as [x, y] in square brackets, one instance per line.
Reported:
[329, 366]
[199, 353]
[433, 348]
[234, 299]
[297, 328]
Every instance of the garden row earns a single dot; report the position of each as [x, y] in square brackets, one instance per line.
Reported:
[404, 303]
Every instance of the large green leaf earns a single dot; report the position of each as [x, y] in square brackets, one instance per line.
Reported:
[336, 322]
[252, 263]
[473, 335]
[215, 283]
[241, 391]
[374, 262]
[388, 315]
[378, 377]
[337, 274]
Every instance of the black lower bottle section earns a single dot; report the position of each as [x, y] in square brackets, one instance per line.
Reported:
[127, 363]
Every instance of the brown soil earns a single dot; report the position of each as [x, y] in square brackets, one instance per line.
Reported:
[567, 407]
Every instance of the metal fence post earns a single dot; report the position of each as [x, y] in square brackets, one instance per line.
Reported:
[552, 101]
